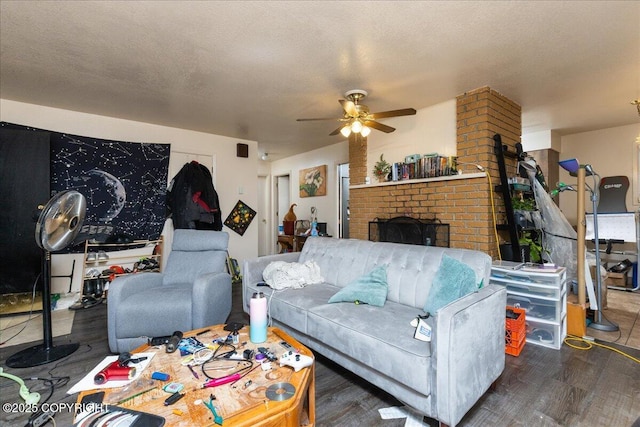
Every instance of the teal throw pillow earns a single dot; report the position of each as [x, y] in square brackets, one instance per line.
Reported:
[369, 289]
[454, 279]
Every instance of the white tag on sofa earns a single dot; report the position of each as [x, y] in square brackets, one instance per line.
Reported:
[423, 331]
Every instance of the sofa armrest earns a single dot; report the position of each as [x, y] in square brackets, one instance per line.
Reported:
[469, 350]
[210, 299]
[253, 268]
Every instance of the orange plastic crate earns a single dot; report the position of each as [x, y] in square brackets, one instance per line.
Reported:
[515, 332]
[518, 323]
[514, 350]
[514, 338]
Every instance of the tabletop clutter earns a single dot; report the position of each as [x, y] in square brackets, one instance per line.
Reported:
[195, 367]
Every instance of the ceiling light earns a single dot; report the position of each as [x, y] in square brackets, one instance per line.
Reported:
[264, 156]
[355, 126]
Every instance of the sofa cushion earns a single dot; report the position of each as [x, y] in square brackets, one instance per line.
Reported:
[290, 306]
[379, 337]
[453, 280]
[369, 289]
[411, 270]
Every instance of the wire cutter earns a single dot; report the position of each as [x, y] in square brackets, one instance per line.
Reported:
[216, 418]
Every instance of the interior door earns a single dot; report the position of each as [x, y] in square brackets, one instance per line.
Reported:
[176, 161]
[343, 202]
[283, 199]
[263, 220]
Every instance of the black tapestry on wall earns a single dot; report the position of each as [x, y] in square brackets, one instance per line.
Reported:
[125, 183]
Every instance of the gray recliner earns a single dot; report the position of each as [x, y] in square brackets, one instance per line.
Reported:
[194, 291]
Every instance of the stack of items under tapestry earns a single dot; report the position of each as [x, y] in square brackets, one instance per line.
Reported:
[192, 201]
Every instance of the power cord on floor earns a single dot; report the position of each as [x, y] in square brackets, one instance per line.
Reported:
[589, 345]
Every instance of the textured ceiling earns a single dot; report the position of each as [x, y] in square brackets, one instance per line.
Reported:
[249, 69]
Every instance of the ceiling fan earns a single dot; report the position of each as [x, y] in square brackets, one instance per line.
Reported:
[358, 119]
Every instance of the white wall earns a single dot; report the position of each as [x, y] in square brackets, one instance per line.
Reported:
[431, 130]
[610, 152]
[327, 206]
[233, 176]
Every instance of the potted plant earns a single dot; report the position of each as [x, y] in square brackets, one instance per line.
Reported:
[536, 251]
[381, 169]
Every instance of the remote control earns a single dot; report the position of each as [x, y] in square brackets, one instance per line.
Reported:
[295, 360]
[286, 345]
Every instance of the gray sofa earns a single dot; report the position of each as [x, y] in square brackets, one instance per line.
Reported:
[441, 379]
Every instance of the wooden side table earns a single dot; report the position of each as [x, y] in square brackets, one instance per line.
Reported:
[291, 243]
[287, 243]
[244, 403]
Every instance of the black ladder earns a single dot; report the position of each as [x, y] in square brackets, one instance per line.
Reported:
[501, 151]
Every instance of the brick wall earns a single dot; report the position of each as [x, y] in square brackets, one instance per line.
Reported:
[463, 204]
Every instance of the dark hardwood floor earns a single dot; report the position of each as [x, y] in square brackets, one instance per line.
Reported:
[541, 387]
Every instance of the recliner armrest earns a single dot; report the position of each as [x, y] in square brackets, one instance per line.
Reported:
[210, 299]
[124, 286]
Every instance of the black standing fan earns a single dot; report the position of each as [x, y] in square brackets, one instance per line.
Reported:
[58, 225]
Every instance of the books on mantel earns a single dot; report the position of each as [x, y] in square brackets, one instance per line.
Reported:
[427, 166]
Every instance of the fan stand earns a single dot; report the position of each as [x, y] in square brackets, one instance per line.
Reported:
[45, 352]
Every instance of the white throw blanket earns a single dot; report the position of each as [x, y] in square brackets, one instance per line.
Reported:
[284, 275]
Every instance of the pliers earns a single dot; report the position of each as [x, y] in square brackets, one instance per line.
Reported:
[216, 418]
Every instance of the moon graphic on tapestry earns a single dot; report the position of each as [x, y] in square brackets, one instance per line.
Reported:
[115, 189]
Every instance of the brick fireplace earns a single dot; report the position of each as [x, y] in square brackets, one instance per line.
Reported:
[464, 204]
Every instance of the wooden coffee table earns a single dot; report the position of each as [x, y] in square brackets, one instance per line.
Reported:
[244, 403]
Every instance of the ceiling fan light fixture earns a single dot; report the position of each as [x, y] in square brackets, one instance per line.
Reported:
[346, 131]
[365, 131]
[356, 126]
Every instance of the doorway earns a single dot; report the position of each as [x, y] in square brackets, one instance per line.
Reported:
[281, 203]
[263, 213]
[343, 201]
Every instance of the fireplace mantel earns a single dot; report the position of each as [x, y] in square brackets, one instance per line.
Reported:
[421, 180]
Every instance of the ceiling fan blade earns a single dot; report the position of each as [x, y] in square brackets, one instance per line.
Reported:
[393, 113]
[337, 131]
[349, 107]
[311, 120]
[379, 126]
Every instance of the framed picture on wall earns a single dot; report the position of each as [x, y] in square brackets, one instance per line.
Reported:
[313, 181]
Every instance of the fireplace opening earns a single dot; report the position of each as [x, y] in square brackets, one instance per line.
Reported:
[411, 231]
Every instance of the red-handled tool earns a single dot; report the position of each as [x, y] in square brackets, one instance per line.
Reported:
[221, 381]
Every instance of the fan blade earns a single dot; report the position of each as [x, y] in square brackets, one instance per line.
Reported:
[337, 131]
[310, 120]
[349, 108]
[379, 126]
[393, 113]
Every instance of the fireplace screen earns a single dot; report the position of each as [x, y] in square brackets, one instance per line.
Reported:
[412, 231]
